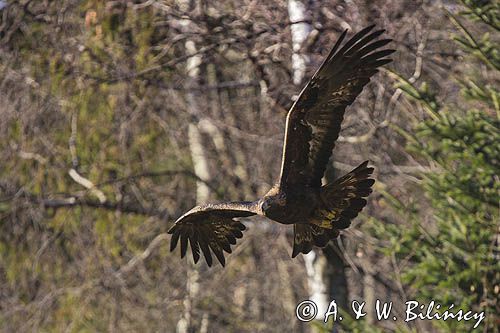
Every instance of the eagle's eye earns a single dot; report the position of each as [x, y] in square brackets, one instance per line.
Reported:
[282, 200]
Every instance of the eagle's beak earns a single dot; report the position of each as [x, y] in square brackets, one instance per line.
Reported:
[264, 206]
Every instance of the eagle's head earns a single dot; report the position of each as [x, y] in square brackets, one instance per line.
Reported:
[272, 205]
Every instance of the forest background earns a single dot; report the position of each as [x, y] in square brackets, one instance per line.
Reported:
[118, 116]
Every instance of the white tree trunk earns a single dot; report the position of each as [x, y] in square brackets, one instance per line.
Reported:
[315, 263]
[201, 169]
[318, 293]
[297, 12]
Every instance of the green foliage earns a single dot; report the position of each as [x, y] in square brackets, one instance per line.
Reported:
[487, 11]
[453, 258]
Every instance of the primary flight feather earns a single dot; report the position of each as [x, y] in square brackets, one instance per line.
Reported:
[313, 124]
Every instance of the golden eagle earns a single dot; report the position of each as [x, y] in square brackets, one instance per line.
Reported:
[316, 211]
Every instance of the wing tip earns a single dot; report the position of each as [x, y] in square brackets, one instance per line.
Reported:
[363, 32]
[184, 243]
[174, 239]
[369, 28]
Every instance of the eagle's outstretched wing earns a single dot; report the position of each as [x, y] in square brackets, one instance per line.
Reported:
[313, 123]
[211, 227]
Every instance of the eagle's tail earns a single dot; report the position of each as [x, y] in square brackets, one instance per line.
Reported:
[340, 202]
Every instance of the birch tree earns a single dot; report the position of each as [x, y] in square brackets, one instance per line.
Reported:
[325, 273]
[314, 262]
[200, 165]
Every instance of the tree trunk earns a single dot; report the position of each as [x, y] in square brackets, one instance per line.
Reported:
[326, 276]
[200, 165]
[300, 31]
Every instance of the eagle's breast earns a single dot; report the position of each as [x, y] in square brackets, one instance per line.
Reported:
[296, 208]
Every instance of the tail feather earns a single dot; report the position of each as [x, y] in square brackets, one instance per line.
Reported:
[341, 201]
[307, 235]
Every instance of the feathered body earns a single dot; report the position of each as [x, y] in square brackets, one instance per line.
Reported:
[313, 124]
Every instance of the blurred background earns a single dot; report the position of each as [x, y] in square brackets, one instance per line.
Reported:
[118, 116]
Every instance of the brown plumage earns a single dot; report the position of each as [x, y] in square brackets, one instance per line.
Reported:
[312, 126]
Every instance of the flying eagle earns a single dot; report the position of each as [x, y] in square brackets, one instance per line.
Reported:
[316, 211]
